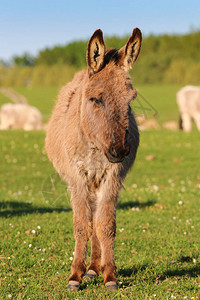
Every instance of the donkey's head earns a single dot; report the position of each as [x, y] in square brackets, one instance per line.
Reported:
[108, 92]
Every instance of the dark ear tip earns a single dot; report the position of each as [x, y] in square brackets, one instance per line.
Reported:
[137, 33]
[98, 33]
[99, 30]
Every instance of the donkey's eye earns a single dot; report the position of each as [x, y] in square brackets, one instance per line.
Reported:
[96, 100]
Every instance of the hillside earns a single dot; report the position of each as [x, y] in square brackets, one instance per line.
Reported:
[168, 59]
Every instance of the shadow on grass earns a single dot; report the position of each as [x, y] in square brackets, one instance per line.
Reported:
[131, 271]
[15, 208]
[191, 272]
[128, 273]
[132, 204]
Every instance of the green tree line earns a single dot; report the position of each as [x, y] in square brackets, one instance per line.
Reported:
[163, 59]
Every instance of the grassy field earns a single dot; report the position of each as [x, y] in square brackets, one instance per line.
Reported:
[157, 246]
[162, 98]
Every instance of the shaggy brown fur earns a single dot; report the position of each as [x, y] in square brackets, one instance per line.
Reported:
[92, 139]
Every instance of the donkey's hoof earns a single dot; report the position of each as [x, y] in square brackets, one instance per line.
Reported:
[73, 285]
[111, 286]
[90, 274]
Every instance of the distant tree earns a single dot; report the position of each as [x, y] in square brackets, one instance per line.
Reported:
[173, 59]
[72, 54]
[25, 60]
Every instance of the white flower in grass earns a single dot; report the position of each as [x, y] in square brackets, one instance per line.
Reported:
[30, 245]
[33, 231]
[38, 227]
[155, 188]
[180, 202]
[71, 258]
[9, 296]
[194, 260]
[135, 209]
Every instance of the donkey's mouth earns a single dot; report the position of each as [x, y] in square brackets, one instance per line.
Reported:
[115, 157]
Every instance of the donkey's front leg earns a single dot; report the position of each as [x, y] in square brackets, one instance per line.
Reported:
[105, 230]
[82, 232]
[95, 260]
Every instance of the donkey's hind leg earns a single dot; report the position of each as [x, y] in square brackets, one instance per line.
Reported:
[196, 118]
[82, 232]
[186, 122]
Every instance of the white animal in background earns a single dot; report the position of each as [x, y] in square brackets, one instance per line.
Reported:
[20, 116]
[188, 99]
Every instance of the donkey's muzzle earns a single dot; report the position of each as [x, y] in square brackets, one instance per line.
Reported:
[117, 154]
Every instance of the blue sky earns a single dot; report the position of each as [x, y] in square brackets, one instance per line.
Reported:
[32, 25]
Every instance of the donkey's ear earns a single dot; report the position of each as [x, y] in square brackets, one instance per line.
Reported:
[129, 53]
[95, 52]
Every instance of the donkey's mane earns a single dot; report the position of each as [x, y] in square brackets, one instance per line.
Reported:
[111, 55]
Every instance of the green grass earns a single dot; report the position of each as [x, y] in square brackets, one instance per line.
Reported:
[4, 99]
[157, 246]
[163, 99]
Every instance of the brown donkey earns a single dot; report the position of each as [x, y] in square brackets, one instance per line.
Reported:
[92, 140]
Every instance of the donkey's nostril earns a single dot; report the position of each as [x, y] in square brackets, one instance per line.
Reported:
[117, 154]
[113, 152]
